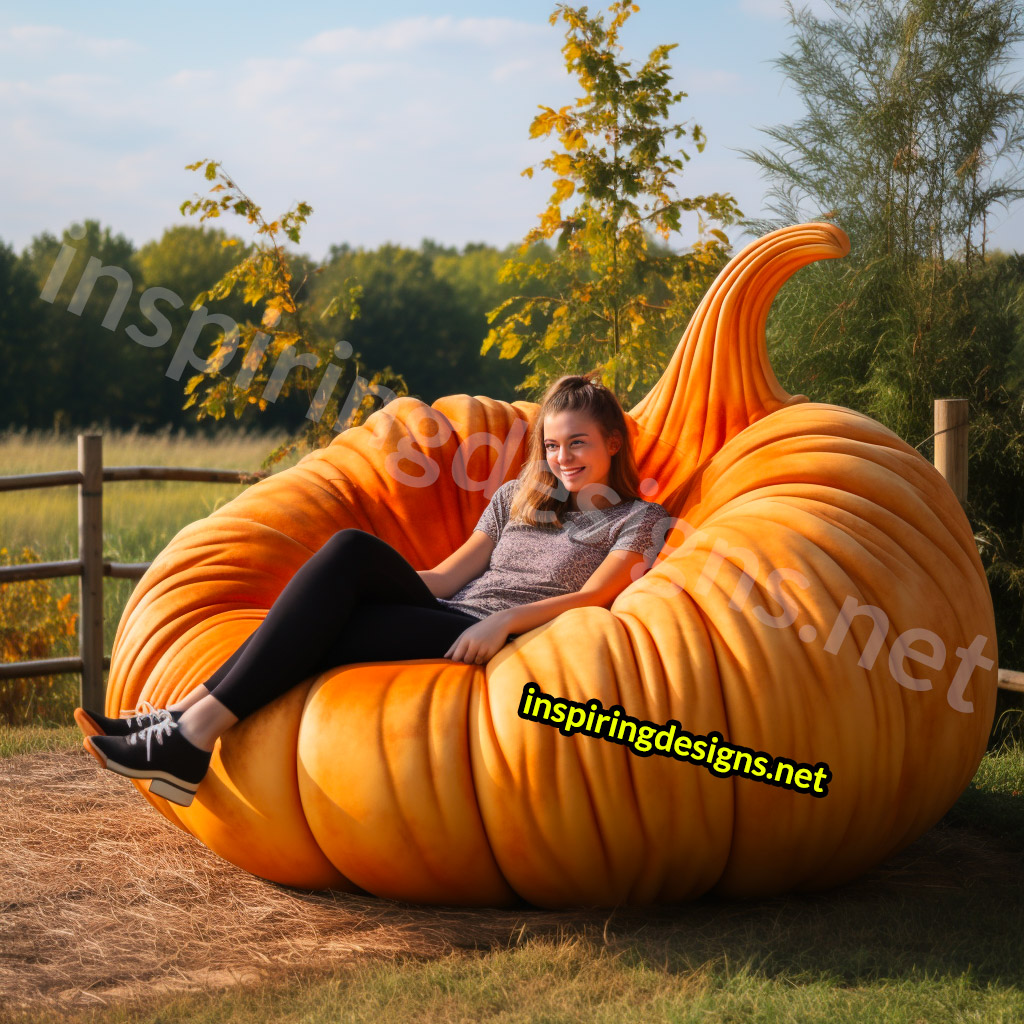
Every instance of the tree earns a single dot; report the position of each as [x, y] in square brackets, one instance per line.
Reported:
[422, 310]
[289, 338]
[184, 260]
[912, 135]
[26, 394]
[86, 367]
[609, 294]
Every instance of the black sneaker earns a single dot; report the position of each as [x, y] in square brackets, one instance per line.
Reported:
[92, 723]
[158, 752]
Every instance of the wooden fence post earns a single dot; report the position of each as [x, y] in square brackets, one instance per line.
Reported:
[90, 552]
[951, 443]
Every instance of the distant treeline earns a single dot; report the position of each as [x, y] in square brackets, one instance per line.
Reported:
[79, 344]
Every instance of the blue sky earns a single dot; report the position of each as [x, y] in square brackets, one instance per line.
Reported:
[396, 121]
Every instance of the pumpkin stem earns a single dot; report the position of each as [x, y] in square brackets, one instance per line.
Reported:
[719, 380]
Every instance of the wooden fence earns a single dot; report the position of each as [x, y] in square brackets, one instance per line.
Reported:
[90, 566]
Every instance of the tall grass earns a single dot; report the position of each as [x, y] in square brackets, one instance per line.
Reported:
[139, 517]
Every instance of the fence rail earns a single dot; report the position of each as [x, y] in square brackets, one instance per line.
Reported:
[90, 567]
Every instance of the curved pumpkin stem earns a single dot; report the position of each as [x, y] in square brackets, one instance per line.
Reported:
[719, 380]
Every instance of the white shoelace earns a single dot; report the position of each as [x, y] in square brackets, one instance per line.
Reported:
[145, 709]
[158, 729]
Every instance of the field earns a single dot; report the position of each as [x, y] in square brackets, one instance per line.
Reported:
[111, 914]
[139, 517]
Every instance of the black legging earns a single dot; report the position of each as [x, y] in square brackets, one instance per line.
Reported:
[356, 599]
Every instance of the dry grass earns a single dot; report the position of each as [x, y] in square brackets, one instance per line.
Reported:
[102, 899]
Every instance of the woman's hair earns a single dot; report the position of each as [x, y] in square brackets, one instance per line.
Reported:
[541, 498]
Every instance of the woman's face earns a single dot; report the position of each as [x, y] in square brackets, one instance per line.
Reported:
[577, 452]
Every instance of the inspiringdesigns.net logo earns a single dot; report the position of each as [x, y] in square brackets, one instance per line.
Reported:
[669, 739]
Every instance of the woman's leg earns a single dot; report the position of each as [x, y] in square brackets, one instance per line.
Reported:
[400, 632]
[306, 621]
[203, 689]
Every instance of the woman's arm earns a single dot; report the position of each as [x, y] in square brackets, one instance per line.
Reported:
[461, 566]
[608, 580]
[484, 639]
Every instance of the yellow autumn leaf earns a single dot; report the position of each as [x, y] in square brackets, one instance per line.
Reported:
[550, 221]
[563, 189]
[541, 124]
[574, 139]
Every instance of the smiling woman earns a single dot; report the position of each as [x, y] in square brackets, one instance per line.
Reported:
[569, 533]
[570, 524]
[582, 455]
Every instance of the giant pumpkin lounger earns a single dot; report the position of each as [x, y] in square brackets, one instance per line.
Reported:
[820, 601]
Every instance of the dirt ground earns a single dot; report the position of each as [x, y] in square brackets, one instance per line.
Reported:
[103, 900]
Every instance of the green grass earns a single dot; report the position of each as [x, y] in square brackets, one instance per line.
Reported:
[545, 981]
[139, 516]
[32, 739]
[994, 801]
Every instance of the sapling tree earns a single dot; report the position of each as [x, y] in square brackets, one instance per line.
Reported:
[288, 350]
[614, 292]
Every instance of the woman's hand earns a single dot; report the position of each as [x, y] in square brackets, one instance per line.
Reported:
[481, 641]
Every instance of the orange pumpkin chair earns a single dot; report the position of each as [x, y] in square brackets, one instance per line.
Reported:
[419, 781]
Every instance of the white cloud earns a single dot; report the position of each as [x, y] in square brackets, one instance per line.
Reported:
[511, 69]
[544, 67]
[263, 79]
[410, 33]
[361, 71]
[717, 80]
[31, 36]
[188, 78]
[44, 39]
[775, 10]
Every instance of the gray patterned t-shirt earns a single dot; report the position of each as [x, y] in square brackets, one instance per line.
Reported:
[529, 563]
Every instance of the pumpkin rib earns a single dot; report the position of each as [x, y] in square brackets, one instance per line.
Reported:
[494, 748]
[938, 534]
[645, 865]
[797, 505]
[708, 787]
[689, 775]
[894, 551]
[711, 628]
[638, 880]
[473, 704]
